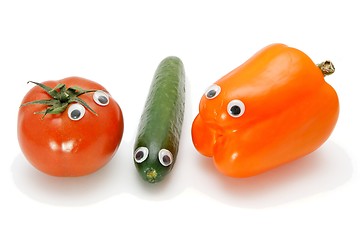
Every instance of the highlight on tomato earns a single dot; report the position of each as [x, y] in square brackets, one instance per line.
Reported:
[70, 127]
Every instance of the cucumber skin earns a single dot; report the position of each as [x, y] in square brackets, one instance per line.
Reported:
[161, 121]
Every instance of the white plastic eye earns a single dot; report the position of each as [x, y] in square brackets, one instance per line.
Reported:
[212, 91]
[101, 98]
[236, 108]
[165, 157]
[141, 154]
[76, 111]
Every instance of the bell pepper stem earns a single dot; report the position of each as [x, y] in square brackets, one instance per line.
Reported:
[327, 67]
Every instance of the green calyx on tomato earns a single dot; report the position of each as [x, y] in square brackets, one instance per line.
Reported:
[61, 98]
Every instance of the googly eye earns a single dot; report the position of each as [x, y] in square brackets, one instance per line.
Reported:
[141, 154]
[165, 157]
[101, 98]
[236, 108]
[76, 111]
[212, 91]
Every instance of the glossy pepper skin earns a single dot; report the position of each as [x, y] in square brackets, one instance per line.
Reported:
[274, 108]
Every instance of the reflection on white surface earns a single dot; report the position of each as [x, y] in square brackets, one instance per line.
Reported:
[327, 168]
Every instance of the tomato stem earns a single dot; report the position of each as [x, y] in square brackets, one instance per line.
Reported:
[61, 97]
[327, 67]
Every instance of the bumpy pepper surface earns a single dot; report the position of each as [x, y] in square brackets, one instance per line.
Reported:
[274, 108]
[70, 127]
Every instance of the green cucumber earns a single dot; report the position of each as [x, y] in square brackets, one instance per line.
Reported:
[157, 141]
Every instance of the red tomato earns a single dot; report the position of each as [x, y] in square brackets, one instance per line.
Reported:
[76, 141]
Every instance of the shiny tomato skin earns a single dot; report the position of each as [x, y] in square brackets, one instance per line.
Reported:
[59, 146]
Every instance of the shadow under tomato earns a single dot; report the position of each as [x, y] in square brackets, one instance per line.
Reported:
[69, 191]
[325, 169]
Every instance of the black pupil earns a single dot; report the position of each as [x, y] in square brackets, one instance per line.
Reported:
[102, 99]
[166, 159]
[75, 114]
[235, 110]
[139, 155]
[211, 93]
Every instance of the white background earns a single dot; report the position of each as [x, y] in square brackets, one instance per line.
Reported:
[119, 44]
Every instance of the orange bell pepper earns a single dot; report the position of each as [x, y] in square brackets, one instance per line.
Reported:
[273, 109]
